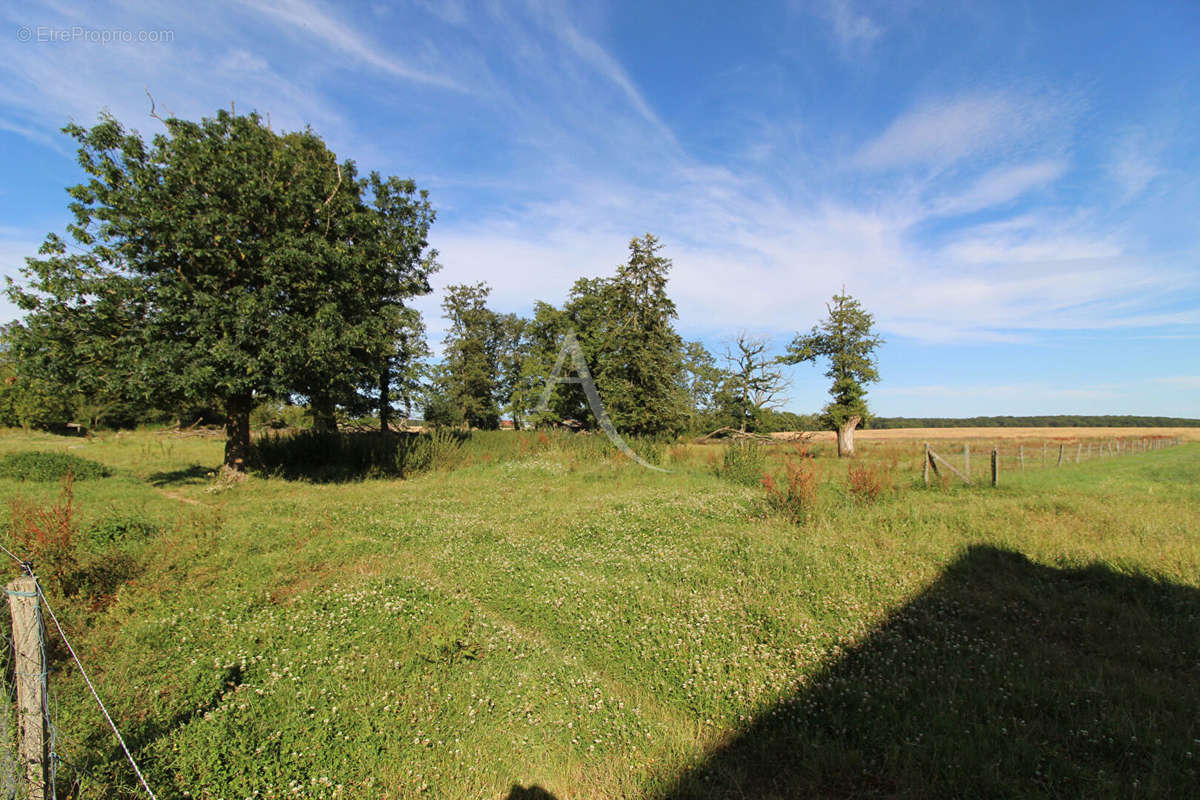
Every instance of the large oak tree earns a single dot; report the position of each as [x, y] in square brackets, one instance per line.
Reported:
[846, 337]
[222, 261]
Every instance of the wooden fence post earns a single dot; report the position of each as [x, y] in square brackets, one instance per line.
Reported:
[995, 465]
[1078, 451]
[29, 670]
[967, 459]
[1060, 454]
[1021, 455]
[926, 470]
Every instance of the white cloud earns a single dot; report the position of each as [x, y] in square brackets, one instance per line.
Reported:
[852, 29]
[310, 18]
[1002, 185]
[594, 164]
[599, 59]
[1134, 164]
[943, 132]
[1189, 382]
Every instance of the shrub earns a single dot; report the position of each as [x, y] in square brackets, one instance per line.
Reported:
[445, 448]
[117, 530]
[334, 456]
[650, 450]
[868, 482]
[744, 463]
[797, 499]
[46, 467]
[45, 535]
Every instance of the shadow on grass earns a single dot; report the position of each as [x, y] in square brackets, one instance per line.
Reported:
[340, 457]
[534, 792]
[1003, 679]
[193, 474]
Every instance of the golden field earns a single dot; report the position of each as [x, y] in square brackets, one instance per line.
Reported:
[959, 434]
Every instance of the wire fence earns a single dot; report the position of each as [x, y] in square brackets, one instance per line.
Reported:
[10, 726]
[982, 462]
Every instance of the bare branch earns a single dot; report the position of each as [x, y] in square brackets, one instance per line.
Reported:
[337, 186]
[153, 113]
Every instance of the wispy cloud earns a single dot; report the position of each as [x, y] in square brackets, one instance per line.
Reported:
[943, 132]
[1190, 382]
[314, 21]
[1135, 163]
[590, 52]
[853, 30]
[1002, 185]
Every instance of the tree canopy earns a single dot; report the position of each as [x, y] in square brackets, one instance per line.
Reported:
[846, 338]
[625, 326]
[224, 262]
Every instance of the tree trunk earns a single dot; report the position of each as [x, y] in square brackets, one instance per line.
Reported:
[324, 414]
[237, 431]
[385, 400]
[845, 437]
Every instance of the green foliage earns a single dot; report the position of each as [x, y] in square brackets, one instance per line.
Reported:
[277, 415]
[26, 400]
[472, 363]
[332, 456]
[44, 467]
[752, 385]
[846, 338]
[625, 327]
[771, 420]
[701, 380]
[119, 529]
[743, 462]
[223, 261]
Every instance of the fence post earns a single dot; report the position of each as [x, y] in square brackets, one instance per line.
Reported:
[926, 472]
[967, 459]
[1021, 455]
[995, 466]
[29, 671]
[1060, 454]
[1078, 451]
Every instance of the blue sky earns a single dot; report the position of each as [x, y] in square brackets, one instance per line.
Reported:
[1013, 189]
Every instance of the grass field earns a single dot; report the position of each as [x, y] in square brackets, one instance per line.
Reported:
[544, 619]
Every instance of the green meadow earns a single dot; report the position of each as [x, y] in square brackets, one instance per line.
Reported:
[534, 616]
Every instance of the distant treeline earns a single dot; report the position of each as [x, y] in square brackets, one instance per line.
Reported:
[1059, 421]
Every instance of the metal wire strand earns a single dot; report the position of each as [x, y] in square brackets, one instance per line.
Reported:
[96, 695]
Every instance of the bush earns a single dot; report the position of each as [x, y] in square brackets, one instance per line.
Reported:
[867, 482]
[45, 535]
[333, 456]
[797, 499]
[46, 467]
[744, 463]
[117, 530]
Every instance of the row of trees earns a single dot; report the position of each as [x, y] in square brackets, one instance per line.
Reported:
[652, 381]
[224, 264]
